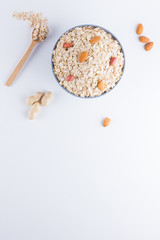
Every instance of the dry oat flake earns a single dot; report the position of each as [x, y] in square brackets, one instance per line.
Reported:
[95, 68]
[39, 24]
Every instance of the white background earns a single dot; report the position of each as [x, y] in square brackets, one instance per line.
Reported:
[64, 176]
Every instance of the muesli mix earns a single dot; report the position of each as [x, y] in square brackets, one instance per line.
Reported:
[88, 61]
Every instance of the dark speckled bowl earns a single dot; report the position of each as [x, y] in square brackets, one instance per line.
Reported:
[95, 27]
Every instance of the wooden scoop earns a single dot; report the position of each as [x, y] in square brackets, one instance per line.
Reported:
[21, 63]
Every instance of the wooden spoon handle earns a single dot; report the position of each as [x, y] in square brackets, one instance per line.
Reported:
[20, 64]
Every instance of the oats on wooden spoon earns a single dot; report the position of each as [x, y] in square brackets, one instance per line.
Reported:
[40, 33]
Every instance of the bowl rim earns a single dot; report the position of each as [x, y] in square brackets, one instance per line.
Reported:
[95, 26]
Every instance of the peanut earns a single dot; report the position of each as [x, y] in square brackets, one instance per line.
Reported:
[113, 61]
[45, 100]
[34, 110]
[68, 45]
[36, 100]
[70, 78]
[32, 99]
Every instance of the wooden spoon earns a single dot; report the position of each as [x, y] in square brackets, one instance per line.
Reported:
[21, 63]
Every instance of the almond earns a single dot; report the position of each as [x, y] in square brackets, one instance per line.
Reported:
[83, 56]
[67, 45]
[113, 60]
[139, 29]
[101, 86]
[106, 122]
[144, 39]
[148, 46]
[70, 78]
[95, 39]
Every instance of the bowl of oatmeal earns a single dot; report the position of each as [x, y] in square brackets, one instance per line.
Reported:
[88, 61]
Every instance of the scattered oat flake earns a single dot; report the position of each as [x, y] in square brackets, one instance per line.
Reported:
[39, 24]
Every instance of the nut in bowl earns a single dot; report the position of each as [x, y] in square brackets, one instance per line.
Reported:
[86, 53]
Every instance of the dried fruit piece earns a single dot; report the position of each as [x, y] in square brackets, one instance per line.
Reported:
[83, 56]
[139, 29]
[70, 78]
[113, 60]
[106, 122]
[148, 46]
[144, 39]
[68, 45]
[95, 39]
[101, 86]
